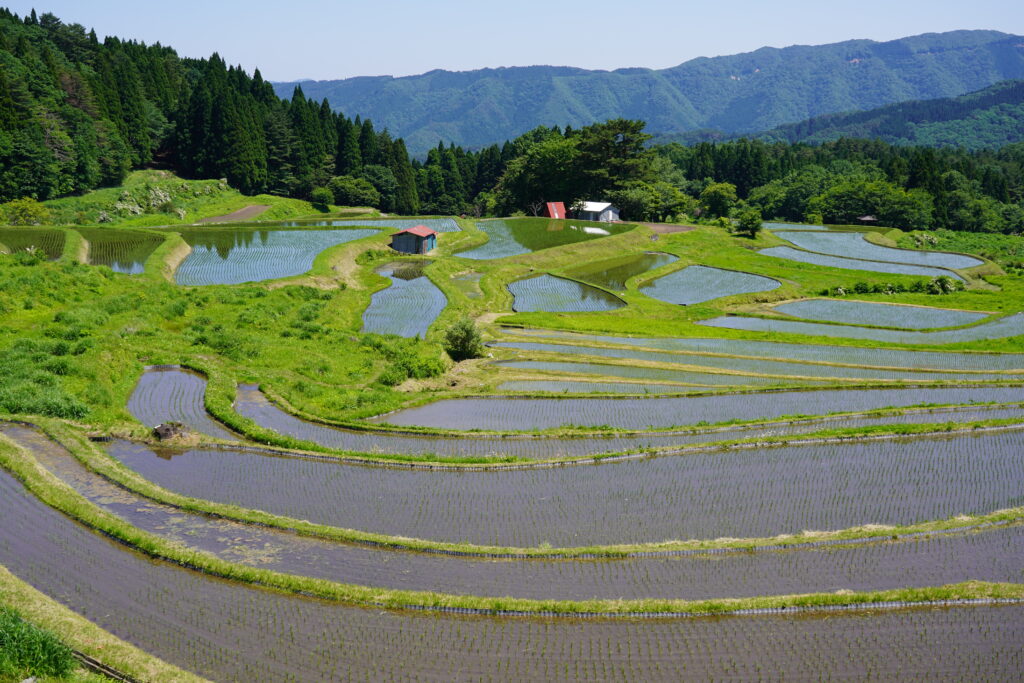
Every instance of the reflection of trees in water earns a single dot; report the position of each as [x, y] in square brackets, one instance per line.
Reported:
[404, 270]
[223, 242]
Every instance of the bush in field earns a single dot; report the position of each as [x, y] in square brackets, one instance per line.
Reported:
[350, 191]
[27, 650]
[407, 358]
[321, 196]
[462, 340]
[24, 211]
[749, 222]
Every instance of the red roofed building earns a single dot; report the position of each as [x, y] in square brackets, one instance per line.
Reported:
[554, 210]
[418, 239]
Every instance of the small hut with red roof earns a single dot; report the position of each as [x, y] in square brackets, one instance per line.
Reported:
[418, 239]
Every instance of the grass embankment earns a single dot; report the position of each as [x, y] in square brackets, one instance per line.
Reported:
[95, 459]
[58, 495]
[74, 631]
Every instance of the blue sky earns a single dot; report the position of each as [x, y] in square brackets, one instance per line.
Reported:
[323, 40]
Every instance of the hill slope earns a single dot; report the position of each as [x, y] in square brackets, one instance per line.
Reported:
[748, 92]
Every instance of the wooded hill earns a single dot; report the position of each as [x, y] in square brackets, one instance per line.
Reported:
[743, 93]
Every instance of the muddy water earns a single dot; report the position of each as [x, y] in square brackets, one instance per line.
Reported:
[757, 492]
[991, 555]
[505, 414]
[228, 632]
[172, 394]
[251, 403]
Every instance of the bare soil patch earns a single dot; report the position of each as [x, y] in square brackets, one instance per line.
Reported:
[243, 214]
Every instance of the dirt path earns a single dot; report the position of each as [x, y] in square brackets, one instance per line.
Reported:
[668, 228]
[243, 214]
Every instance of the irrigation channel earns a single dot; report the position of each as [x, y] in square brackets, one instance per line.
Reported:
[704, 494]
[989, 555]
[170, 394]
[231, 632]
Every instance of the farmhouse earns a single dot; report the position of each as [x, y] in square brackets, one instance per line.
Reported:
[597, 211]
[554, 210]
[415, 240]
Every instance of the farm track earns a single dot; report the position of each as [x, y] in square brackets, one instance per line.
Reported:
[228, 631]
[755, 492]
[990, 555]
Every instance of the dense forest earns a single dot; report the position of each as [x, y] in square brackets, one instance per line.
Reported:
[77, 113]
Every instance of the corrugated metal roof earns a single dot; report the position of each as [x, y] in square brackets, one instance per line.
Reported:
[419, 231]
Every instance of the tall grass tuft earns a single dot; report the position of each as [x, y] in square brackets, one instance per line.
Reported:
[27, 650]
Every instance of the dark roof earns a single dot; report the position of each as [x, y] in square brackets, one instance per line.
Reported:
[419, 231]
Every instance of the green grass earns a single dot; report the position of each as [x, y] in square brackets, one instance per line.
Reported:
[27, 650]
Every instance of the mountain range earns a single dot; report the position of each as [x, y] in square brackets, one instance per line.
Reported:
[742, 93]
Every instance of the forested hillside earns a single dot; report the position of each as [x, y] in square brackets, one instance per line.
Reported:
[740, 93]
[76, 114]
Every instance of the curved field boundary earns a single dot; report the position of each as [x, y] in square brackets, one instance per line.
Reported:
[170, 393]
[853, 245]
[819, 354]
[604, 371]
[560, 295]
[696, 284]
[407, 307]
[843, 263]
[876, 314]
[1010, 326]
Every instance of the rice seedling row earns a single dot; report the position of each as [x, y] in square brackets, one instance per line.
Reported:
[533, 386]
[707, 494]
[438, 224]
[813, 353]
[614, 273]
[510, 414]
[556, 294]
[173, 394]
[651, 374]
[408, 306]
[791, 254]
[253, 404]
[878, 314]
[232, 256]
[991, 555]
[776, 368]
[853, 245]
[226, 632]
[516, 236]
[1010, 326]
[123, 251]
[695, 284]
[48, 240]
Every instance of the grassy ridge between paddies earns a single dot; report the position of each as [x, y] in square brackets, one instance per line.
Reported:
[61, 497]
[95, 459]
[82, 635]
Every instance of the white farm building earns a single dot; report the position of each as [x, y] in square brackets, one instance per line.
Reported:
[597, 211]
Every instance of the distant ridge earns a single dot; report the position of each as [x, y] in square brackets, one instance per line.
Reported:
[749, 92]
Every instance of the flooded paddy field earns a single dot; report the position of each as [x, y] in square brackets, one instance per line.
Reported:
[231, 256]
[121, 250]
[438, 224]
[695, 284]
[48, 240]
[174, 394]
[408, 306]
[649, 374]
[229, 632]
[854, 245]
[707, 494]
[559, 295]
[810, 353]
[515, 236]
[614, 273]
[509, 414]
[878, 314]
[1010, 326]
[568, 386]
[791, 254]
[990, 555]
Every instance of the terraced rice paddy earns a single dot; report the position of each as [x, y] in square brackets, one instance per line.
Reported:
[230, 632]
[251, 403]
[695, 284]
[791, 254]
[945, 558]
[438, 224]
[556, 294]
[1010, 326]
[231, 256]
[777, 369]
[878, 314]
[468, 284]
[650, 374]
[853, 245]
[172, 394]
[48, 240]
[812, 353]
[123, 251]
[707, 494]
[408, 306]
[514, 236]
[614, 273]
[534, 386]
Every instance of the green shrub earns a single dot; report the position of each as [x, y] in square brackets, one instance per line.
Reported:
[462, 340]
